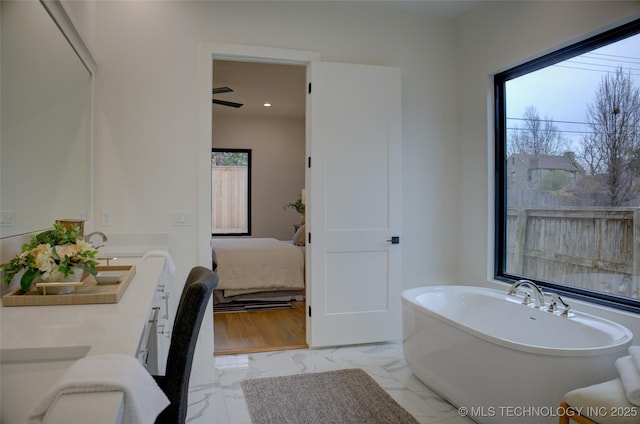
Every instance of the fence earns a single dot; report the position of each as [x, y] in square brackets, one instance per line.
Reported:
[593, 248]
[229, 186]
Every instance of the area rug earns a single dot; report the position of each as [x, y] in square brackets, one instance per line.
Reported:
[248, 306]
[347, 396]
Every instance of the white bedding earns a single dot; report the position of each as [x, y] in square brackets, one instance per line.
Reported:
[257, 264]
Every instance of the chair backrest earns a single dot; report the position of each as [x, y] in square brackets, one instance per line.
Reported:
[193, 302]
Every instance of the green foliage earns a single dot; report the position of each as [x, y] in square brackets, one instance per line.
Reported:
[298, 206]
[229, 158]
[56, 236]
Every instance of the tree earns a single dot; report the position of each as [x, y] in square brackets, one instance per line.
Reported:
[536, 136]
[612, 146]
[229, 158]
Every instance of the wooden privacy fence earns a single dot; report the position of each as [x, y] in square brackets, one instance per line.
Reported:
[593, 248]
[229, 189]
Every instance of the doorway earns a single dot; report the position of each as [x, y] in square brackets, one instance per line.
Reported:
[260, 108]
[353, 109]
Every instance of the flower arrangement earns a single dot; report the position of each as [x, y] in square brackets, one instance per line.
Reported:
[52, 255]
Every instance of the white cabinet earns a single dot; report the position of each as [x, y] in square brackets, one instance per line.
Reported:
[147, 352]
[161, 324]
[153, 348]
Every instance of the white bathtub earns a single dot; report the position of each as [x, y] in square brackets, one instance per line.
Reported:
[500, 361]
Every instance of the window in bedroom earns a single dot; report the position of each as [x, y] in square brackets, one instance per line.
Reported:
[231, 192]
[568, 170]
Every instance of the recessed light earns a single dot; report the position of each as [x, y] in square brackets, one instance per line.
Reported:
[267, 105]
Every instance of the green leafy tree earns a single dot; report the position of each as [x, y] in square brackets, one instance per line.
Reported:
[229, 158]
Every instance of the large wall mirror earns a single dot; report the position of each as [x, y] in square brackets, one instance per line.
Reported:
[45, 120]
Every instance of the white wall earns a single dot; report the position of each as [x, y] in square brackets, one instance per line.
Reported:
[146, 109]
[83, 15]
[146, 113]
[278, 167]
[492, 37]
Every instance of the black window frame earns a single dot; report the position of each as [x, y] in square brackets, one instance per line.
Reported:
[500, 178]
[248, 152]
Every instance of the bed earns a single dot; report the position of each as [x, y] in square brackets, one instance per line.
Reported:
[257, 269]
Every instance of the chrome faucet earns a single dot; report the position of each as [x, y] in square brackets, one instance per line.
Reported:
[535, 291]
[87, 237]
[553, 305]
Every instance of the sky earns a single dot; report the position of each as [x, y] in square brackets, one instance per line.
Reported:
[561, 92]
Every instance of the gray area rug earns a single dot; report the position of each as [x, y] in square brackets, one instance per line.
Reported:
[347, 396]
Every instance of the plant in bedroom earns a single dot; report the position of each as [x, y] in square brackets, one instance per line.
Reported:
[298, 206]
[52, 255]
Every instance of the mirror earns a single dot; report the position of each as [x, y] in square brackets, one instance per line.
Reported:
[45, 108]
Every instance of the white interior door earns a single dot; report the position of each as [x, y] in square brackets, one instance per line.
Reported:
[354, 204]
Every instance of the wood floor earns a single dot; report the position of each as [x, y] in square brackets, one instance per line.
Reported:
[260, 331]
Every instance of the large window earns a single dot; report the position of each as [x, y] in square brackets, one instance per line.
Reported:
[231, 192]
[568, 170]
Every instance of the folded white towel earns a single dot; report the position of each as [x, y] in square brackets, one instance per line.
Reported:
[143, 398]
[630, 378]
[169, 265]
[634, 351]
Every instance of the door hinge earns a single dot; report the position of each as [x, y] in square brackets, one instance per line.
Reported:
[309, 88]
[309, 162]
[309, 311]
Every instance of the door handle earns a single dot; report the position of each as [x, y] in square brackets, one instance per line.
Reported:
[394, 240]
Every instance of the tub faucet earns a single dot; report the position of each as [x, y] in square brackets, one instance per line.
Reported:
[87, 237]
[535, 291]
[555, 299]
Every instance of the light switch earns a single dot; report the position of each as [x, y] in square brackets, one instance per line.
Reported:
[6, 218]
[106, 218]
[182, 218]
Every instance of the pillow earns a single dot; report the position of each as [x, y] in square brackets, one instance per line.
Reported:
[300, 236]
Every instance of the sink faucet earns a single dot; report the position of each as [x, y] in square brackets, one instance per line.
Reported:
[87, 237]
[535, 291]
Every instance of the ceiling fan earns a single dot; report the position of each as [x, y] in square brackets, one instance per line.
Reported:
[220, 90]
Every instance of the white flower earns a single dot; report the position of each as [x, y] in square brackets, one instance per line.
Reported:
[66, 250]
[43, 255]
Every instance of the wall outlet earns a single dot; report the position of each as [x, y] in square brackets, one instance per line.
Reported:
[182, 218]
[6, 218]
[106, 218]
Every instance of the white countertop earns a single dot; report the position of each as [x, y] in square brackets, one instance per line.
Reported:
[49, 333]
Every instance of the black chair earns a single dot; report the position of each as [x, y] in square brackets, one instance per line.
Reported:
[175, 383]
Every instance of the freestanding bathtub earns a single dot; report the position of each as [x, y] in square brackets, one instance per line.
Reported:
[499, 361]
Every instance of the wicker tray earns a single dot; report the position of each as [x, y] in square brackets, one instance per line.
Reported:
[89, 292]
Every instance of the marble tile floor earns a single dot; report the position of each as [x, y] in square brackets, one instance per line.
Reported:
[215, 395]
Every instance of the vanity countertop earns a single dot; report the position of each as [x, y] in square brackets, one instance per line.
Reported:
[49, 338]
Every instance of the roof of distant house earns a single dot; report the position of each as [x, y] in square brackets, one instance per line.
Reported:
[563, 162]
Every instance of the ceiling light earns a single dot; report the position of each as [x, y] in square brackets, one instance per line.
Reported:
[267, 105]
